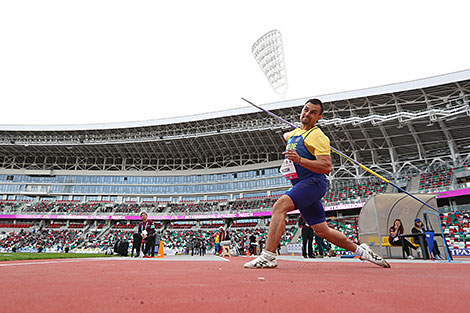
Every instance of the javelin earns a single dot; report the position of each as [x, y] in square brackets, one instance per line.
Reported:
[344, 156]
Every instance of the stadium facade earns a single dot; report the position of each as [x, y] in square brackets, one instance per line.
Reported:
[396, 130]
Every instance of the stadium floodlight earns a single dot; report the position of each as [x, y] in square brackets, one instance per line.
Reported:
[269, 54]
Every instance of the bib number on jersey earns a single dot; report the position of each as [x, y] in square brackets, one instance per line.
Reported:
[288, 169]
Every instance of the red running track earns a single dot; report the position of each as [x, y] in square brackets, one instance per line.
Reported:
[104, 285]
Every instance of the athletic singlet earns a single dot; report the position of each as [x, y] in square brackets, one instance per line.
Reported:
[297, 142]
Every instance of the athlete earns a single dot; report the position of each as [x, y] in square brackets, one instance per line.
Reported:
[307, 161]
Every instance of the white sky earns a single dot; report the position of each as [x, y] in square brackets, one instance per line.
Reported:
[92, 61]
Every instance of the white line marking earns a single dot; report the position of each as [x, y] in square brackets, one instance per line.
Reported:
[51, 262]
[168, 258]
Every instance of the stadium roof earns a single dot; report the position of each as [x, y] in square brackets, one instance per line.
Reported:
[398, 87]
[393, 128]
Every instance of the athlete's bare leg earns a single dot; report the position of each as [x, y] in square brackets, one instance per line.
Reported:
[277, 226]
[335, 237]
[339, 239]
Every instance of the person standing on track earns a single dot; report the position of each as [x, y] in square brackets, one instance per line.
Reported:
[307, 239]
[218, 239]
[146, 233]
[307, 161]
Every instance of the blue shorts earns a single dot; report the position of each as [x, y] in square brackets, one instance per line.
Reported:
[306, 196]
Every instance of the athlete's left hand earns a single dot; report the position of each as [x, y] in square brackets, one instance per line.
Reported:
[292, 155]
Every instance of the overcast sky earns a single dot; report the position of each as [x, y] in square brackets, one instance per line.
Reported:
[78, 62]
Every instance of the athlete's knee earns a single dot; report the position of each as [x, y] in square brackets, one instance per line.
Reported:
[322, 230]
[283, 205]
[322, 233]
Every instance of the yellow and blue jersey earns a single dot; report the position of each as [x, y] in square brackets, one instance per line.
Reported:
[307, 144]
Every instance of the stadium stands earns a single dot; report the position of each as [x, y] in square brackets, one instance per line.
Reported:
[45, 238]
[347, 192]
[436, 181]
[15, 225]
[456, 227]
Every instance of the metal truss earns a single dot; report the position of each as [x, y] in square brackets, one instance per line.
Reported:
[393, 134]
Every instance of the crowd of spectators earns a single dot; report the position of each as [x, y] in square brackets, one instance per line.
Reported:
[435, 181]
[76, 207]
[252, 204]
[94, 241]
[7, 206]
[181, 239]
[196, 207]
[42, 238]
[456, 226]
[106, 208]
[39, 207]
[335, 195]
[340, 193]
[129, 208]
[347, 227]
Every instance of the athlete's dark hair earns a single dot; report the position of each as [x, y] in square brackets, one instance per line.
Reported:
[317, 102]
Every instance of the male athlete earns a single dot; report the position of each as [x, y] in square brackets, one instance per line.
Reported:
[309, 149]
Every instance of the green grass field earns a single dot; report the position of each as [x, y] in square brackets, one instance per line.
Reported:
[38, 256]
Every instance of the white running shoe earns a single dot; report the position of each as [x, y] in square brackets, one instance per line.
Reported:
[410, 257]
[261, 262]
[370, 256]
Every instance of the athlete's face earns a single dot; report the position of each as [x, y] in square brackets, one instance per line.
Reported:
[310, 114]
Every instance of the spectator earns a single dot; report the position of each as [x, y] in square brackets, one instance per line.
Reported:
[307, 238]
[194, 246]
[419, 229]
[202, 247]
[261, 243]
[253, 244]
[221, 235]
[395, 231]
[217, 243]
[146, 232]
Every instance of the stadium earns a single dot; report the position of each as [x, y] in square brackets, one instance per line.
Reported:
[82, 188]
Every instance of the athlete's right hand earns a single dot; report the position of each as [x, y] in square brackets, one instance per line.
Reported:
[292, 155]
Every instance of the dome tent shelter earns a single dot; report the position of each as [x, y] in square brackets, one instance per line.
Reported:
[379, 212]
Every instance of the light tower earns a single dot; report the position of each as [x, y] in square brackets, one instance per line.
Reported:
[269, 54]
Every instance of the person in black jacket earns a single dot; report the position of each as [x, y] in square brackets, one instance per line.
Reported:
[253, 244]
[307, 238]
[419, 229]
